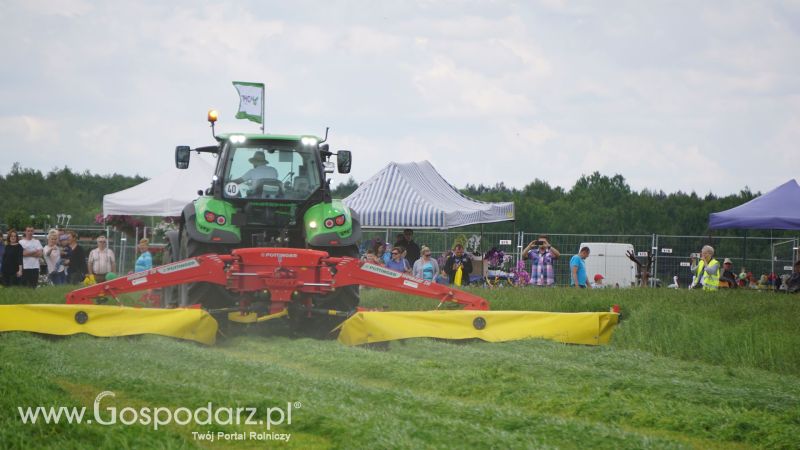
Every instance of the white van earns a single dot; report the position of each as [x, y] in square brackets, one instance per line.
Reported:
[610, 260]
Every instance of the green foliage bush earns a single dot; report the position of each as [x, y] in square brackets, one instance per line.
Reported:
[27, 192]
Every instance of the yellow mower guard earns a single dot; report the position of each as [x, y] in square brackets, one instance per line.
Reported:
[109, 321]
[589, 328]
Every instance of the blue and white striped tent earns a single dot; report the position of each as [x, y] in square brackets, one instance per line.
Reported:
[414, 195]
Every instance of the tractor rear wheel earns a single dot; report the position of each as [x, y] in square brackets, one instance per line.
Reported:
[209, 295]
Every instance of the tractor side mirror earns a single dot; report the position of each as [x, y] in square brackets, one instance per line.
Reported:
[344, 159]
[182, 154]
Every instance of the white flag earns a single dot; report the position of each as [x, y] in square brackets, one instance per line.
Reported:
[251, 101]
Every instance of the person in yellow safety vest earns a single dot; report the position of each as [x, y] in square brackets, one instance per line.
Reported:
[706, 270]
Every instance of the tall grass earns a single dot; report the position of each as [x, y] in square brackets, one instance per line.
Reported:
[20, 295]
[684, 370]
[735, 328]
[418, 394]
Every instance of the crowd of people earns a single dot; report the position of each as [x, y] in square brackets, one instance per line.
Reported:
[23, 258]
[709, 275]
[456, 266]
[64, 259]
[66, 262]
[406, 256]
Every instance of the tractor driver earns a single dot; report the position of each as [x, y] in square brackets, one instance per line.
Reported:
[260, 170]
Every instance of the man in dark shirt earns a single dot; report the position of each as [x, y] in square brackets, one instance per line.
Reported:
[456, 260]
[728, 274]
[75, 260]
[406, 240]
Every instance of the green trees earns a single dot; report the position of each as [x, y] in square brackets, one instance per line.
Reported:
[342, 190]
[596, 204]
[28, 192]
[601, 204]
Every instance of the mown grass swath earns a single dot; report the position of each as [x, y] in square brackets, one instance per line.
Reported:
[684, 369]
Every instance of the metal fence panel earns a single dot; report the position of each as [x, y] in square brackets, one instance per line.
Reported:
[758, 255]
[673, 258]
[570, 244]
[784, 256]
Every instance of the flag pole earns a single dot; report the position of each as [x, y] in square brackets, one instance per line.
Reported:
[263, 119]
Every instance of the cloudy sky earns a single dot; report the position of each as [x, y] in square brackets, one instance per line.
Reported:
[678, 95]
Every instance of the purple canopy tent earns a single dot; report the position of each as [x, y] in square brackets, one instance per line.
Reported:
[778, 209]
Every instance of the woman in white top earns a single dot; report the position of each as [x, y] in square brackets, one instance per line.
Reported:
[52, 256]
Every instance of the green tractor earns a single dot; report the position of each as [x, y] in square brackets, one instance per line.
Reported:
[267, 191]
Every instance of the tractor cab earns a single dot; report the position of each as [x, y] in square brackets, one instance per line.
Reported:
[254, 166]
[274, 169]
[268, 190]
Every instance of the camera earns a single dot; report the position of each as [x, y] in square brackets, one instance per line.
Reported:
[538, 242]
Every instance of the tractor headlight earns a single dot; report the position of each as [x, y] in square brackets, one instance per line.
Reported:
[237, 139]
[312, 224]
[307, 140]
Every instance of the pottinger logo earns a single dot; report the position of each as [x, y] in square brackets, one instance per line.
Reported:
[279, 255]
[178, 266]
[381, 270]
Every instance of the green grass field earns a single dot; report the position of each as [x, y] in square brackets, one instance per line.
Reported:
[683, 370]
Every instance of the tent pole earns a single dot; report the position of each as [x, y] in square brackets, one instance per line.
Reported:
[516, 253]
[772, 253]
[744, 251]
[795, 252]
[514, 233]
[480, 249]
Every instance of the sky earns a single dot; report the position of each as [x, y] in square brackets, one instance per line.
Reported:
[673, 95]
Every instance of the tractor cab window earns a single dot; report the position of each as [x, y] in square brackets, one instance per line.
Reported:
[286, 171]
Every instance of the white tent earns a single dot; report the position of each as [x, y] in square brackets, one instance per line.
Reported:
[164, 196]
[414, 195]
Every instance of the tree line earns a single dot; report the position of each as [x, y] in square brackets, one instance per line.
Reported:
[602, 204]
[596, 204]
[27, 192]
